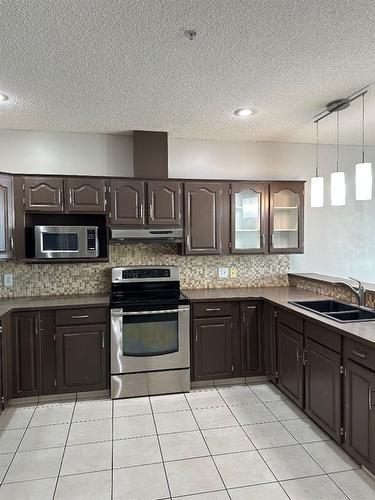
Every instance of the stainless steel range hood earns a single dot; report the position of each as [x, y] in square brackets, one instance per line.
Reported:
[145, 235]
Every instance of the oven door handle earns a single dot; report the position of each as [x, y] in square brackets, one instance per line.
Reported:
[145, 313]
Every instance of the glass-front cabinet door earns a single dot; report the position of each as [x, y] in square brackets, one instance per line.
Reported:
[286, 217]
[249, 223]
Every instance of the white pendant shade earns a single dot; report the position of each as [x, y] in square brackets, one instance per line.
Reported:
[338, 189]
[363, 181]
[317, 192]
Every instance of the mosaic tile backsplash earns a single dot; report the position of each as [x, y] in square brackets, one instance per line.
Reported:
[335, 291]
[195, 271]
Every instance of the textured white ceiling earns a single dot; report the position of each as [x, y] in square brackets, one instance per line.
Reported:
[117, 65]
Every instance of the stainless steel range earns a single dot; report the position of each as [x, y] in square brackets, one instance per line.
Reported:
[150, 320]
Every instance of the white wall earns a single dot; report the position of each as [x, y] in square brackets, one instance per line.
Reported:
[338, 240]
[62, 153]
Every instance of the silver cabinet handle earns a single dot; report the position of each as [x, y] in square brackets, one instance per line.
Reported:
[141, 210]
[273, 239]
[299, 353]
[70, 196]
[102, 340]
[187, 237]
[359, 354]
[263, 240]
[11, 243]
[370, 403]
[196, 335]
[209, 309]
[305, 359]
[151, 211]
[80, 316]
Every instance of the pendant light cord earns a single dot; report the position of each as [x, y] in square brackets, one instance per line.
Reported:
[317, 150]
[363, 128]
[338, 141]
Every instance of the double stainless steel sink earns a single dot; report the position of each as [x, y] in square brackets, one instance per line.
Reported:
[337, 310]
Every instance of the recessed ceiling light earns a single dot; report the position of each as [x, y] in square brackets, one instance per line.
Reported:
[3, 97]
[244, 112]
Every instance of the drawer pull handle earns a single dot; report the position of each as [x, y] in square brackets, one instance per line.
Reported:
[80, 316]
[210, 309]
[103, 345]
[359, 354]
[196, 335]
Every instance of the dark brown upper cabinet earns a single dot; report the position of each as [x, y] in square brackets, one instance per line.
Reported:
[26, 355]
[359, 419]
[203, 218]
[127, 202]
[286, 217]
[164, 203]
[6, 217]
[249, 221]
[85, 195]
[323, 387]
[251, 345]
[44, 194]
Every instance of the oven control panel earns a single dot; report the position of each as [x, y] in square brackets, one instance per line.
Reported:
[145, 273]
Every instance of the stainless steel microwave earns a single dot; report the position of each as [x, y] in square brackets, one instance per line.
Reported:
[66, 242]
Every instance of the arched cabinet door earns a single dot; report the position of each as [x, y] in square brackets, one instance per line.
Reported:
[203, 218]
[248, 218]
[164, 203]
[85, 195]
[6, 217]
[286, 217]
[44, 194]
[127, 202]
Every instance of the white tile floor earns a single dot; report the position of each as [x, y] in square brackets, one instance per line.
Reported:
[241, 443]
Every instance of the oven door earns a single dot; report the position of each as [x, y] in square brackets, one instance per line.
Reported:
[149, 340]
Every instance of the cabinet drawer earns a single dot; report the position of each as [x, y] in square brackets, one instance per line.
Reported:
[212, 309]
[291, 320]
[86, 316]
[323, 336]
[360, 353]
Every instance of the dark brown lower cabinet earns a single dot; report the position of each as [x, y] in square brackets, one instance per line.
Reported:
[269, 341]
[81, 358]
[26, 355]
[251, 339]
[212, 338]
[289, 354]
[360, 414]
[323, 387]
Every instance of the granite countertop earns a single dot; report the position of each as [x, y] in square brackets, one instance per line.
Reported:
[55, 302]
[281, 296]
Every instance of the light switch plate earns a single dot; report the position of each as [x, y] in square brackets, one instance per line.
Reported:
[223, 272]
[8, 279]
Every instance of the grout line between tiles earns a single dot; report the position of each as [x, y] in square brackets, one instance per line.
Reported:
[63, 453]
[160, 449]
[19, 444]
[206, 443]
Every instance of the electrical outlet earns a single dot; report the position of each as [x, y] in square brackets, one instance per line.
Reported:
[233, 272]
[223, 272]
[8, 279]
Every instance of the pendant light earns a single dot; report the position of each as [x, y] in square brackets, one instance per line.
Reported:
[317, 183]
[338, 186]
[363, 170]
